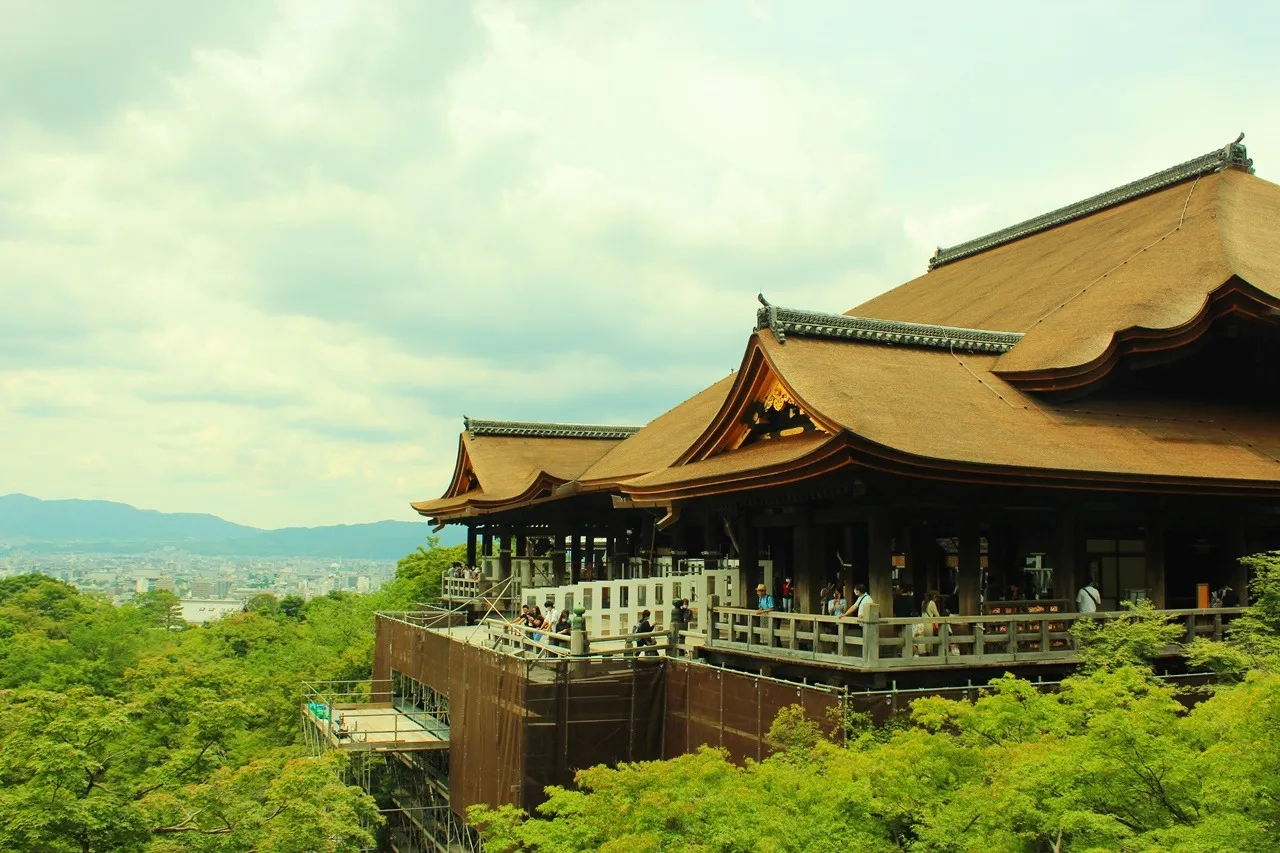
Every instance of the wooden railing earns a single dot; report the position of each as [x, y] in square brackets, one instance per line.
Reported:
[900, 643]
[512, 636]
[478, 589]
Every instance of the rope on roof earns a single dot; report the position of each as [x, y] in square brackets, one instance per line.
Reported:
[1230, 156]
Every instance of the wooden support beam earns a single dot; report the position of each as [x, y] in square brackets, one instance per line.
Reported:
[880, 561]
[711, 540]
[504, 553]
[748, 558]
[471, 546]
[1063, 558]
[1237, 576]
[970, 547]
[805, 571]
[1155, 563]
[557, 557]
[575, 558]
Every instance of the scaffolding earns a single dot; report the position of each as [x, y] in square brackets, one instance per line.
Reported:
[367, 716]
[395, 733]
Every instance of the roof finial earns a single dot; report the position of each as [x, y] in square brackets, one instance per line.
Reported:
[1239, 138]
[763, 301]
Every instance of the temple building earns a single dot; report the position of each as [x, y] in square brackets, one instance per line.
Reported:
[1087, 395]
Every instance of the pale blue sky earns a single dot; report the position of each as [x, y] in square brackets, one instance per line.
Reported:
[258, 259]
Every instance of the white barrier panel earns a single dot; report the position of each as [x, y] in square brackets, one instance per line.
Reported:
[613, 607]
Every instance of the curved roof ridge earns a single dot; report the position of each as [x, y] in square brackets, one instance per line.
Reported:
[790, 321]
[531, 429]
[1233, 155]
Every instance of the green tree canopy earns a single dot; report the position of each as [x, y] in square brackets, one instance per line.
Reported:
[1111, 761]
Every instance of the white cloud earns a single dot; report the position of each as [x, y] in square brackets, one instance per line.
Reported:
[260, 264]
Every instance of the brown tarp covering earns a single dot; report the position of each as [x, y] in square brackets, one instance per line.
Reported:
[409, 649]
[486, 727]
[524, 725]
[734, 710]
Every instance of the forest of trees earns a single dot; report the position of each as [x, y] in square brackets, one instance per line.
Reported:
[121, 729]
[124, 730]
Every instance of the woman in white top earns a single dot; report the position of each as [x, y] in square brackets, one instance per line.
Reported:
[929, 627]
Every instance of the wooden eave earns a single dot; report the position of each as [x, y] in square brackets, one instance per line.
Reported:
[846, 449]
[1235, 296]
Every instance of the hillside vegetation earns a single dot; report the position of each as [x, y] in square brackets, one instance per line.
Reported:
[119, 733]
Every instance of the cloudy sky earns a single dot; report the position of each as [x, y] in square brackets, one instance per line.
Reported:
[258, 259]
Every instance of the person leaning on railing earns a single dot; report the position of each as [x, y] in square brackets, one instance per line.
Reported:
[562, 627]
[862, 601]
[766, 601]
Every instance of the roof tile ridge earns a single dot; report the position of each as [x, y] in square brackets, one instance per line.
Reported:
[1231, 156]
[790, 321]
[534, 429]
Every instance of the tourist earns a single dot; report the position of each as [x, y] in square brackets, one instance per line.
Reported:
[929, 623]
[562, 627]
[1088, 600]
[537, 621]
[766, 602]
[679, 614]
[862, 601]
[644, 626]
[788, 595]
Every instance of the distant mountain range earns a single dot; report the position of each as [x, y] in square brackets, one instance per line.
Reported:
[33, 525]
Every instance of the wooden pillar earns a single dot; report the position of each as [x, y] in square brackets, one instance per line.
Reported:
[575, 558]
[471, 546]
[921, 556]
[805, 571]
[486, 541]
[710, 542]
[504, 553]
[880, 561]
[1063, 558]
[848, 550]
[970, 567]
[1237, 576]
[1155, 564]
[749, 572]
[557, 557]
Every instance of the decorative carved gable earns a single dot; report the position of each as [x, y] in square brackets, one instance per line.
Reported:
[760, 408]
[775, 415]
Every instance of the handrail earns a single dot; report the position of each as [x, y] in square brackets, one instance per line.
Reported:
[899, 642]
[999, 619]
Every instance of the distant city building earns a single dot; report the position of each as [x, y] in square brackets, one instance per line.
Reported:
[165, 583]
[201, 588]
[200, 610]
[144, 584]
[221, 588]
